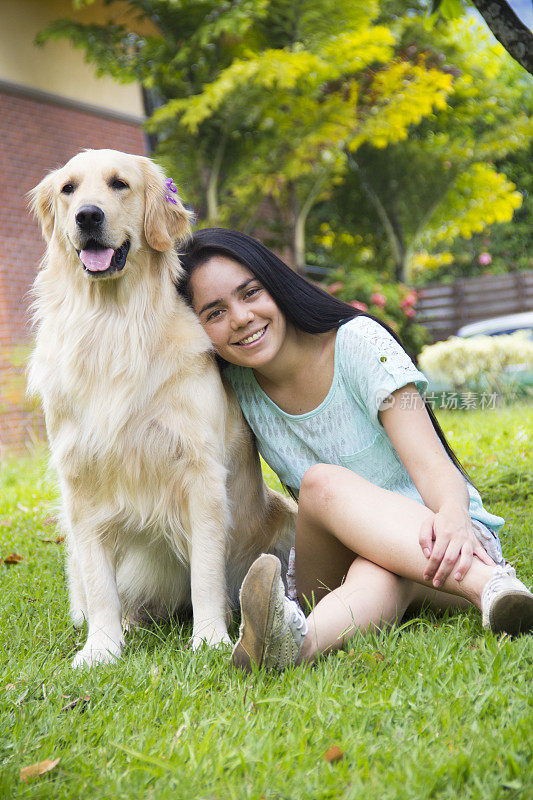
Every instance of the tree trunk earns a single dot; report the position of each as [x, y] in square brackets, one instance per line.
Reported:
[298, 244]
[300, 219]
[508, 29]
[212, 183]
[401, 260]
[396, 242]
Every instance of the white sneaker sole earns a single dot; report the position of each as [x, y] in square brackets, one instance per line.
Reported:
[258, 602]
[512, 613]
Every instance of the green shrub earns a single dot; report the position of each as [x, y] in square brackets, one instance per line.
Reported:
[494, 362]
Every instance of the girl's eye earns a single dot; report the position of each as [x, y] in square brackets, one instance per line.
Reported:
[213, 314]
[252, 291]
[116, 183]
[68, 188]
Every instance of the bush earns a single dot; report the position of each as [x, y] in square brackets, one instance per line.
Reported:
[479, 362]
[393, 303]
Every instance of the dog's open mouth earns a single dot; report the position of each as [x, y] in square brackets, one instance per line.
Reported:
[100, 260]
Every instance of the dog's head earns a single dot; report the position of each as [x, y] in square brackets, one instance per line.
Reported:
[105, 205]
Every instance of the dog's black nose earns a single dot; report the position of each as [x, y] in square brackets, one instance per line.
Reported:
[89, 217]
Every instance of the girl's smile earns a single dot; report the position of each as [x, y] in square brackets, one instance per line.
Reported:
[253, 338]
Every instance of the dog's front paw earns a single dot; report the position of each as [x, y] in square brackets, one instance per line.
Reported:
[210, 638]
[97, 650]
[77, 616]
[130, 623]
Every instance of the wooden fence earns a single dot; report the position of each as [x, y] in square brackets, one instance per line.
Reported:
[444, 308]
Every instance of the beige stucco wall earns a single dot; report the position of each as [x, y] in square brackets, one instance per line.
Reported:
[58, 68]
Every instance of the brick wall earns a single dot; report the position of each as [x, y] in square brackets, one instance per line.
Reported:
[36, 136]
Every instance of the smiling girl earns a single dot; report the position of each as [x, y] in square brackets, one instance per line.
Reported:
[387, 518]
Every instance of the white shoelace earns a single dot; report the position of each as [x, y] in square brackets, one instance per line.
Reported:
[298, 617]
[299, 621]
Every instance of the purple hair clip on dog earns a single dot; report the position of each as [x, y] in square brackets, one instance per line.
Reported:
[169, 183]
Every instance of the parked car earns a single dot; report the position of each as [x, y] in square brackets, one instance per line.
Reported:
[510, 323]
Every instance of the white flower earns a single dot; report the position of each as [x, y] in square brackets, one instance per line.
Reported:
[461, 361]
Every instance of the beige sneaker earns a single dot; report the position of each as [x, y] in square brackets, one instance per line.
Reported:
[506, 603]
[273, 627]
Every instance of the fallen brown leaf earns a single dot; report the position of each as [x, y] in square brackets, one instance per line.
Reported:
[57, 540]
[84, 700]
[51, 519]
[13, 558]
[334, 754]
[39, 768]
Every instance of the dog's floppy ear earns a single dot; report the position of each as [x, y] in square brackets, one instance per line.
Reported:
[41, 202]
[165, 219]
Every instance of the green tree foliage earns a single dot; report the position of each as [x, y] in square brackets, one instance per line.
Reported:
[501, 247]
[502, 20]
[331, 84]
[174, 48]
[284, 115]
[443, 184]
[265, 98]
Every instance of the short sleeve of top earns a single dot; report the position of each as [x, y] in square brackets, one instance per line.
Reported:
[374, 364]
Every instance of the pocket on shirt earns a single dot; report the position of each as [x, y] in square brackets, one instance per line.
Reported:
[375, 464]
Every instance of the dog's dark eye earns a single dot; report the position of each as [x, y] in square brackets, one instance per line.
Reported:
[116, 183]
[68, 188]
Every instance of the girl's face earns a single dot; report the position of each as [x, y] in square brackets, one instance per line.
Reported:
[238, 314]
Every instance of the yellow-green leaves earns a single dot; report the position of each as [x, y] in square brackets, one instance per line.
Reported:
[479, 197]
[401, 96]
[352, 51]
[271, 70]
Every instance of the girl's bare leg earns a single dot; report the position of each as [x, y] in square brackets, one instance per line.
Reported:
[349, 527]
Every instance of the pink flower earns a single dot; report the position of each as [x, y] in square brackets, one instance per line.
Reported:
[409, 311]
[379, 299]
[358, 305]
[335, 287]
[485, 259]
[409, 298]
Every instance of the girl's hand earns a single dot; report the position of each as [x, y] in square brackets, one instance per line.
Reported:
[449, 543]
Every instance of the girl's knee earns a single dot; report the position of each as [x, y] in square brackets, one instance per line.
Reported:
[317, 487]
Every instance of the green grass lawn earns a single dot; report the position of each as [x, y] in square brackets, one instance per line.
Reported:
[436, 708]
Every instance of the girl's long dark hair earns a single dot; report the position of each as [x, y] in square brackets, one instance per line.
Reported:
[304, 304]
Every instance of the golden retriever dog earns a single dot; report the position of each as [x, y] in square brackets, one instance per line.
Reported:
[162, 497]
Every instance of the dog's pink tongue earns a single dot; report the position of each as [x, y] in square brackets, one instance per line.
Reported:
[97, 260]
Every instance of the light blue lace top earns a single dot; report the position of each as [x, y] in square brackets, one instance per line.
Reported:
[345, 428]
